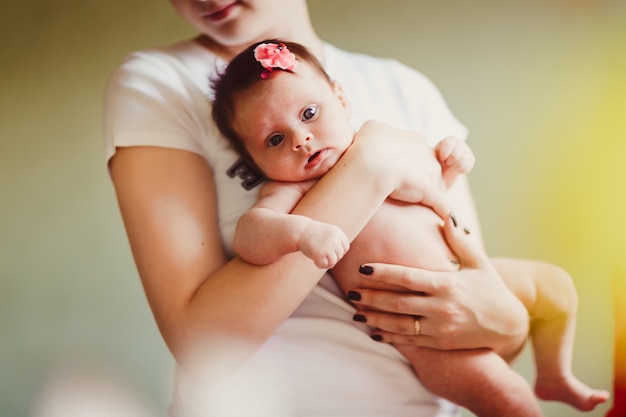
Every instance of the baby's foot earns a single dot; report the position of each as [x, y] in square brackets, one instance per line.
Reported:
[571, 391]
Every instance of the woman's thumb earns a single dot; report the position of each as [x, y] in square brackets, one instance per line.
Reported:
[468, 250]
[436, 200]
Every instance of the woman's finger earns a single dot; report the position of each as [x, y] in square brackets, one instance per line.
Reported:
[436, 200]
[398, 324]
[400, 339]
[413, 279]
[467, 249]
[399, 329]
[408, 303]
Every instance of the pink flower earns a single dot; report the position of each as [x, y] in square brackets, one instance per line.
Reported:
[275, 56]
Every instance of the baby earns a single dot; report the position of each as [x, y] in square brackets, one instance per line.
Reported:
[283, 113]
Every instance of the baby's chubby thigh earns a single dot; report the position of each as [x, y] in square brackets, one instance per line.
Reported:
[401, 234]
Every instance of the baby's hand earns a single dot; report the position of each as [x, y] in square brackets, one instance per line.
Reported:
[455, 157]
[324, 243]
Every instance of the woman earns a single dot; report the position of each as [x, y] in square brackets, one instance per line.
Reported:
[181, 190]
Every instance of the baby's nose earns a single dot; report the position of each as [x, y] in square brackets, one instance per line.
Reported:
[301, 141]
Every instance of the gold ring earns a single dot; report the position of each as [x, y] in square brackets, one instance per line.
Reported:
[417, 326]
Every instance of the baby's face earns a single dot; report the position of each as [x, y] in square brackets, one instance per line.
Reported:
[294, 126]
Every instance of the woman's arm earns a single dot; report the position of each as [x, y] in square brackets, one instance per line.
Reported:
[469, 308]
[168, 203]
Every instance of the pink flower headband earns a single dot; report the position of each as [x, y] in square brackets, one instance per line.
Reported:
[274, 56]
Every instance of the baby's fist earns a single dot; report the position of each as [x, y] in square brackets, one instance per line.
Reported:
[324, 243]
[455, 156]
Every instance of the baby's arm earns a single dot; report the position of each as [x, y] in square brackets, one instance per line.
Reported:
[267, 231]
[455, 157]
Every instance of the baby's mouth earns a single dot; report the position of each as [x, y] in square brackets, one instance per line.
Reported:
[312, 157]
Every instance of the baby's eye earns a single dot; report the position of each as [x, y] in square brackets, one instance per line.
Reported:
[275, 140]
[309, 113]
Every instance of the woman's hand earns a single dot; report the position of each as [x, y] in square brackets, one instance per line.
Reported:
[465, 309]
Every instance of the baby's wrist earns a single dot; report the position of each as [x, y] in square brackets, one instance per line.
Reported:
[303, 224]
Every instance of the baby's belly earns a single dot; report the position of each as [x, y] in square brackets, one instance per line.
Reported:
[401, 234]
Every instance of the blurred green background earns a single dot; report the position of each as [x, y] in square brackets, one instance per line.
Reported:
[540, 83]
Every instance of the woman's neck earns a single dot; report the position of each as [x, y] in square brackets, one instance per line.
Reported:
[313, 43]
[295, 26]
[302, 33]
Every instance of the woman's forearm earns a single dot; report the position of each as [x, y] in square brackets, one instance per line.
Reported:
[245, 303]
[168, 204]
[238, 307]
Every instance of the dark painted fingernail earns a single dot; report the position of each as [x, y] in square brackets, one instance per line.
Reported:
[453, 218]
[354, 296]
[454, 262]
[377, 337]
[466, 230]
[366, 270]
[359, 317]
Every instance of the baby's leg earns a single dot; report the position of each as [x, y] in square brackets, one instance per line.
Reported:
[552, 303]
[552, 342]
[478, 379]
[552, 335]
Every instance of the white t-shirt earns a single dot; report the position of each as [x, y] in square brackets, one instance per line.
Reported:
[319, 362]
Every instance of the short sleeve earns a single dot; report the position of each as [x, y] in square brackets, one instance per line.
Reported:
[150, 101]
[426, 103]
[387, 90]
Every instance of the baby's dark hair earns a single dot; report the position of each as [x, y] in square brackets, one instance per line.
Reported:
[243, 72]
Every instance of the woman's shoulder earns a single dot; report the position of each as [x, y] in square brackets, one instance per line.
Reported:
[183, 52]
[159, 97]
[386, 89]
[344, 64]
[185, 60]
[335, 55]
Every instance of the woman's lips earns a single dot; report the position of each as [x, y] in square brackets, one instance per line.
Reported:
[221, 13]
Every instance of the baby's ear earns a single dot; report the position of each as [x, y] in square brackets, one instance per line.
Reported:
[338, 90]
